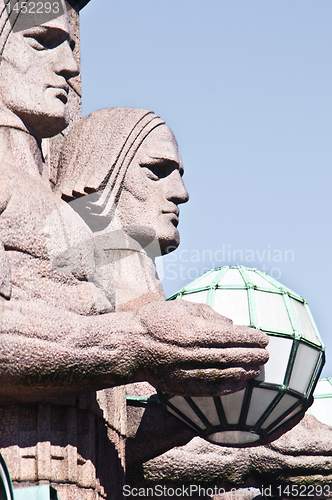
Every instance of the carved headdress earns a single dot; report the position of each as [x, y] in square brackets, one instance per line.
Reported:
[98, 151]
[12, 12]
[8, 17]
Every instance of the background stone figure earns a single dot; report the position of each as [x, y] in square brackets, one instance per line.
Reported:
[134, 219]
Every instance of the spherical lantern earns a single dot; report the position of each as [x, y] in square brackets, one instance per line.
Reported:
[286, 383]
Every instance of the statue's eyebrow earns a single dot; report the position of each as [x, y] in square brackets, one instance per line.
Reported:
[164, 160]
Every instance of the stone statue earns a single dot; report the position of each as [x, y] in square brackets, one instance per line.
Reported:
[61, 335]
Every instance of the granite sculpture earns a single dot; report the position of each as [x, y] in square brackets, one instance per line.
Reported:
[61, 335]
[76, 318]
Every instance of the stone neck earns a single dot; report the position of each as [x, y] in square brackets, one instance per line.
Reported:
[19, 145]
[134, 271]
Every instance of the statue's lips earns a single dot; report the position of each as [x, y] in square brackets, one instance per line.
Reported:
[174, 217]
[61, 92]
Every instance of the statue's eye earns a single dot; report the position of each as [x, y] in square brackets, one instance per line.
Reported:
[36, 42]
[42, 38]
[160, 169]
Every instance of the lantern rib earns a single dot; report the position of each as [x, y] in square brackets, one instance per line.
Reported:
[269, 409]
[313, 322]
[291, 316]
[245, 405]
[286, 413]
[316, 373]
[251, 298]
[291, 361]
[220, 411]
[200, 414]
[185, 418]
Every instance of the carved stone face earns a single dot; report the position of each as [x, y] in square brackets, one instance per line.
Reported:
[34, 71]
[153, 189]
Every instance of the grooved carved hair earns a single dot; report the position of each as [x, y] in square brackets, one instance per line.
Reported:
[99, 149]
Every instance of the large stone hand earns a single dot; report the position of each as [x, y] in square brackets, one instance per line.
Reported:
[178, 347]
[188, 349]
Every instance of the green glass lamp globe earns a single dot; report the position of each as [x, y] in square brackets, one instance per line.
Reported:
[285, 386]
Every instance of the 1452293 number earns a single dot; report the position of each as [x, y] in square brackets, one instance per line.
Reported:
[26, 7]
[304, 491]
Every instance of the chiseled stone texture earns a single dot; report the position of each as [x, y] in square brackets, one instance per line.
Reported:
[68, 446]
[302, 456]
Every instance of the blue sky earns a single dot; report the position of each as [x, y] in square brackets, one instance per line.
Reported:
[246, 87]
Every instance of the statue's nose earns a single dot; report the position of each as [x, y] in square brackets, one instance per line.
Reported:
[66, 64]
[176, 191]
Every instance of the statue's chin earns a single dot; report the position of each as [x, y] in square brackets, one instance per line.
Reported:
[44, 126]
[52, 126]
[168, 245]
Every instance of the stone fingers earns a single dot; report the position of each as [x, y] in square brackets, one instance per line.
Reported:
[205, 333]
[205, 383]
[160, 353]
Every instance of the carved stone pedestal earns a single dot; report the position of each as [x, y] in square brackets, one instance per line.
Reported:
[73, 448]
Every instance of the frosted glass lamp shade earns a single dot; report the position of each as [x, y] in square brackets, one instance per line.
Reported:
[287, 381]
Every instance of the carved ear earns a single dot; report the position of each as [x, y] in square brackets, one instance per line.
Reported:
[5, 274]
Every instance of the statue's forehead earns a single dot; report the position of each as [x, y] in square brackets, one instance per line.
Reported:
[160, 143]
[62, 23]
